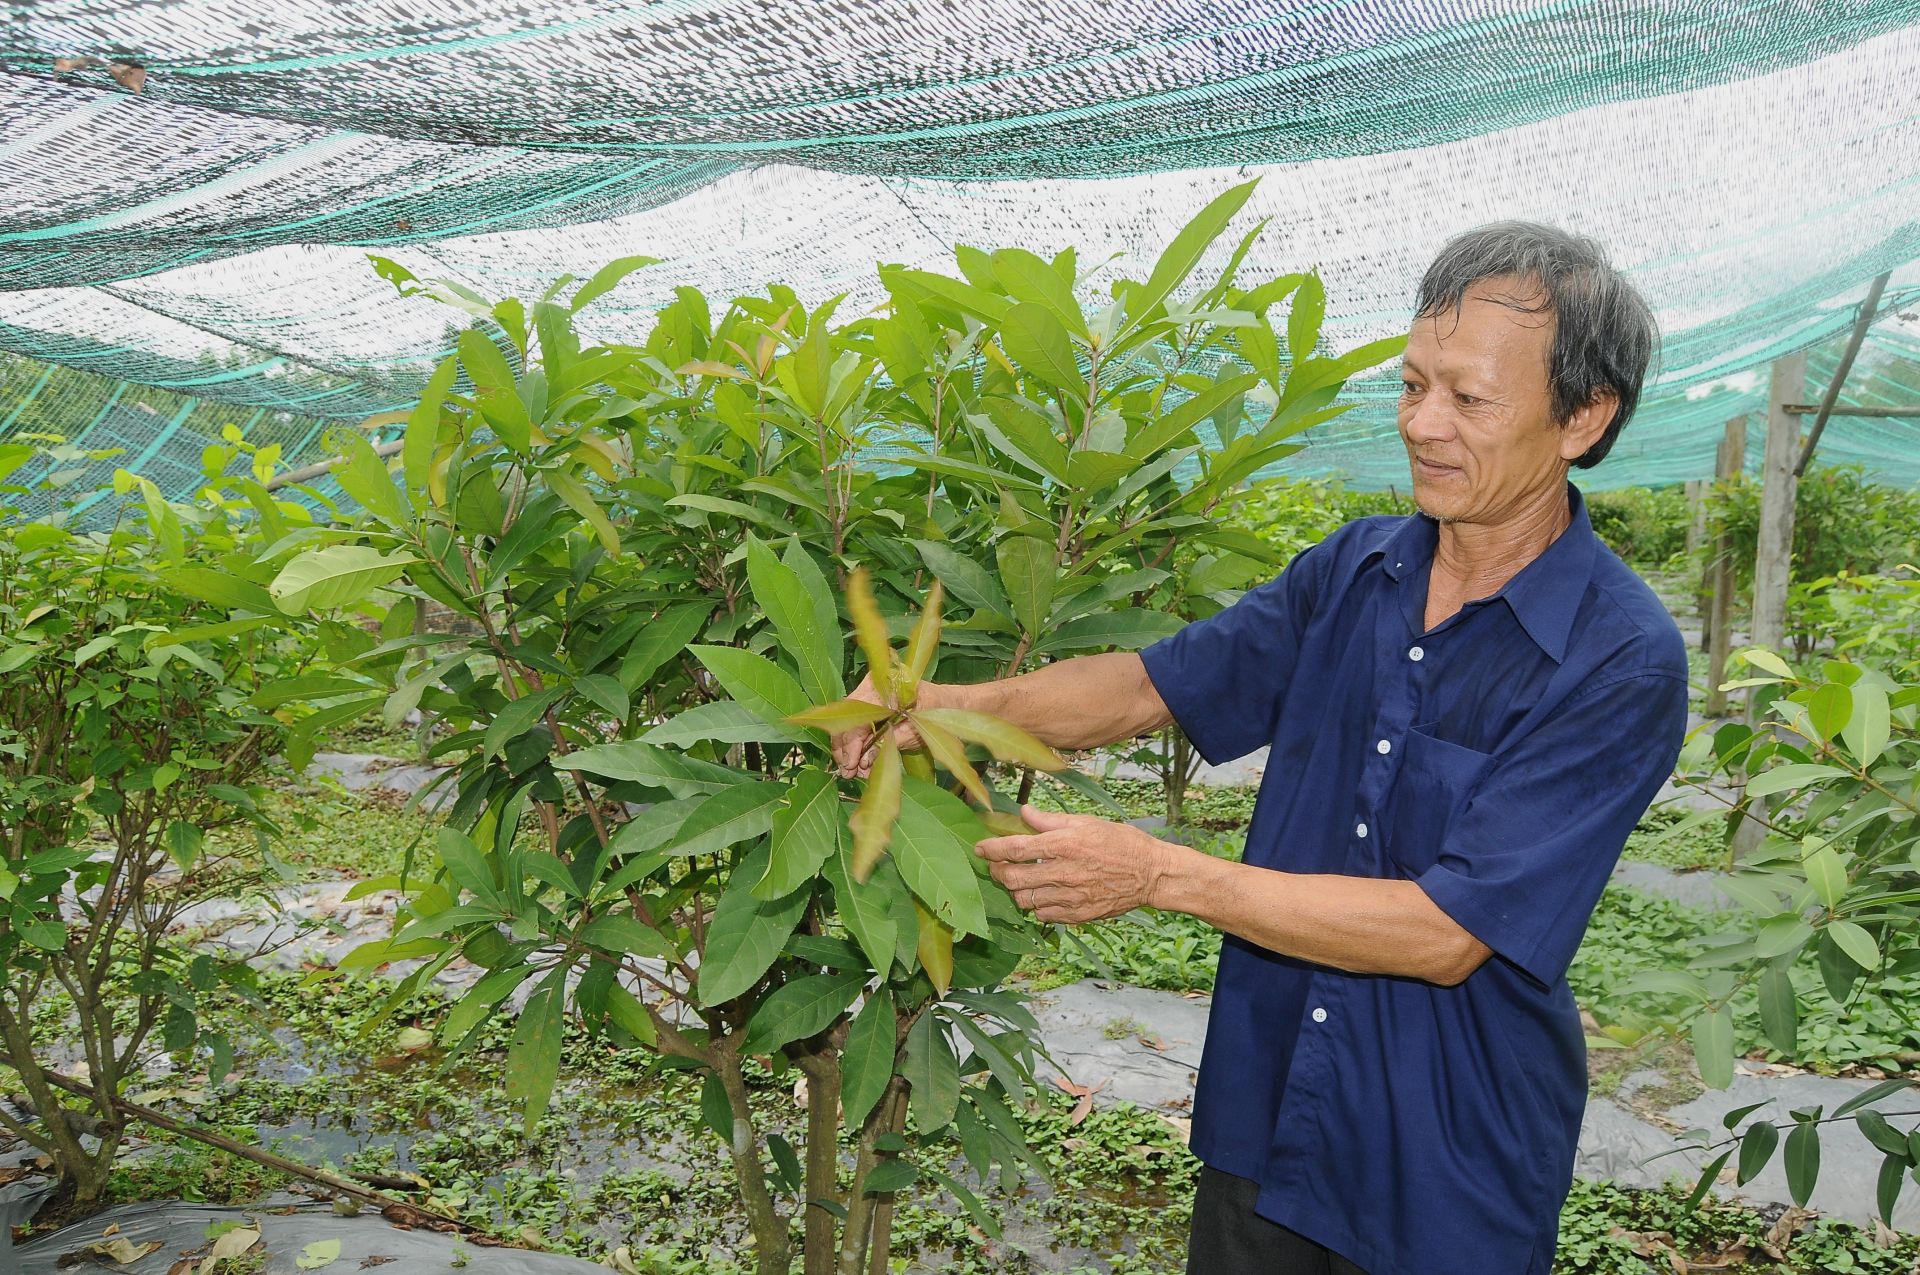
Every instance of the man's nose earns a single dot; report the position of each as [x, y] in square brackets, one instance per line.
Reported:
[1427, 421]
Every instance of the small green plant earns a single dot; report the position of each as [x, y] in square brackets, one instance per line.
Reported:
[654, 557]
[1836, 882]
[135, 723]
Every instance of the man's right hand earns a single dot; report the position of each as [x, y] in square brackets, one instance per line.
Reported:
[854, 750]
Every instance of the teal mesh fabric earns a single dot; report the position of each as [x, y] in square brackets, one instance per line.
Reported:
[1752, 165]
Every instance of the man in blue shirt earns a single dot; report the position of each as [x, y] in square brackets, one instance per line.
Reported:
[1467, 710]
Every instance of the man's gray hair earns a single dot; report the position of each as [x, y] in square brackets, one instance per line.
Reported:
[1604, 334]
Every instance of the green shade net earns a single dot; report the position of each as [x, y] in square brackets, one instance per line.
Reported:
[1750, 165]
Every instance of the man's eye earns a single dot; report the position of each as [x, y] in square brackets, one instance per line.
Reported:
[1408, 387]
[1465, 400]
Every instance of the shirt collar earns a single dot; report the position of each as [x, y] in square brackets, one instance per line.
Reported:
[1544, 596]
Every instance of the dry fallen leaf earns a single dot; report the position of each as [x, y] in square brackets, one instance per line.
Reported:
[63, 65]
[374, 1259]
[230, 1244]
[129, 75]
[1081, 1110]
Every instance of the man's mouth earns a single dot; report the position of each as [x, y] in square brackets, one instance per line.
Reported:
[1433, 468]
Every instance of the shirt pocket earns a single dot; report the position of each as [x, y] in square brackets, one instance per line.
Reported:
[1436, 780]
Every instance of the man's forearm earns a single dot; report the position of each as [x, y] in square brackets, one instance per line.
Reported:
[1086, 702]
[1363, 924]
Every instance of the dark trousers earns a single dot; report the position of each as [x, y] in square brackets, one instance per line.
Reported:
[1229, 1238]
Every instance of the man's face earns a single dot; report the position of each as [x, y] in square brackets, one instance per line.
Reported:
[1476, 411]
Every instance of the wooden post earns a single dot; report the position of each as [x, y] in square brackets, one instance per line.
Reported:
[1696, 492]
[1773, 562]
[1772, 566]
[1730, 463]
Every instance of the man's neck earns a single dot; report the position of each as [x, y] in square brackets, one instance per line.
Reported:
[1473, 560]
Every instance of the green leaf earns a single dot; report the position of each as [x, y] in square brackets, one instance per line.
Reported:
[1798, 775]
[1779, 935]
[889, 1176]
[1875, 1129]
[616, 933]
[365, 478]
[567, 484]
[606, 692]
[466, 864]
[1303, 318]
[932, 1074]
[606, 278]
[1707, 1176]
[663, 638]
[1856, 943]
[1803, 1161]
[1126, 629]
[1184, 253]
[753, 680]
[1028, 277]
[1893, 1172]
[867, 908]
[1756, 1148]
[805, 1007]
[422, 438]
[808, 626]
[723, 721]
[716, 1110]
[184, 841]
[644, 763]
[1028, 571]
[222, 588]
[337, 576]
[1885, 1089]
[937, 861]
[1712, 1036]
[1767, 662]
[1829, 708]
[1779, 1009]
[494, 389]
[867, 1061]
[1157, 435]
[1036, 340]
[728, 817]
[516, 719]
[533, 1056]
[786, 1163]
[746, 933]
[1825, 872]
[806, 830]
[964, 578]
[1867, 731]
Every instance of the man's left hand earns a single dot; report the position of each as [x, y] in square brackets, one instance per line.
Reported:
[1077, 868]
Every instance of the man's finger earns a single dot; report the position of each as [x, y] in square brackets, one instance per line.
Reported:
[1050, 820]
[1019, 848]
[1022, 876]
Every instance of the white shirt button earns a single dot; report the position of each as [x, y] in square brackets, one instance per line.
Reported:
[1416, 655]
[1383, 748]
[1361, 832]
[1319, 1015]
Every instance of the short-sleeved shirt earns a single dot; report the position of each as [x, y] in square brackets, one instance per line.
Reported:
[1499, 761]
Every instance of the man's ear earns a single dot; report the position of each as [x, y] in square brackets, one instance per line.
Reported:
[1588, 424]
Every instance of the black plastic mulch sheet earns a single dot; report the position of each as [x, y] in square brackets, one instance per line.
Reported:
[288, 1223]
